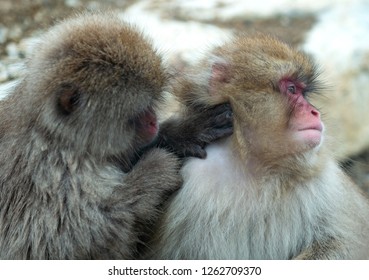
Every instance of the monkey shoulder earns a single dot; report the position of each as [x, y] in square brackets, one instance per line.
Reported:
[218, 169]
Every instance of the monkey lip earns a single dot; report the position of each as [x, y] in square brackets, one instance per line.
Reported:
[318, 127]
[149, 121]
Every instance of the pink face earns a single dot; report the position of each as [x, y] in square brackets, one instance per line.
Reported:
[305, 124]
[147, 126]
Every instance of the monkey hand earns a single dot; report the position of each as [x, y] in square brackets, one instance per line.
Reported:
[212, 124]
[199, 127]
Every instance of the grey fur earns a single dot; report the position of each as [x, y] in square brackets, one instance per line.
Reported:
[62, 131]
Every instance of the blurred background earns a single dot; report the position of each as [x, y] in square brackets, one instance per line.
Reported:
[334, 32]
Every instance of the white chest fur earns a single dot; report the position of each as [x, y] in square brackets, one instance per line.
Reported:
[221, 214]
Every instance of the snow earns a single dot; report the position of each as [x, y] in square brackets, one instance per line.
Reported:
[174, 37]
[5, 88]
[227, 9]
[340, 39]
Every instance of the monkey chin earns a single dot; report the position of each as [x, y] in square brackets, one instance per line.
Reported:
[310, 135]
[310, 138]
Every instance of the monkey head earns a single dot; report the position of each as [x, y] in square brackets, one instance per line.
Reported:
[267, 84]
[95, 83]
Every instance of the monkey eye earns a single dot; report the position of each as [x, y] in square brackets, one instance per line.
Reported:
[291, 89]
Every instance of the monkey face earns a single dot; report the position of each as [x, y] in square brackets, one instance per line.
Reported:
[267, 84]
[305, 125]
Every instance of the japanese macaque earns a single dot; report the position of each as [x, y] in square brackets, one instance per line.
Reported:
[273, 189]
[71, 183]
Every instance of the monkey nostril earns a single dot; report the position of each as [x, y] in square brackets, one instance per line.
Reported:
[315, 113]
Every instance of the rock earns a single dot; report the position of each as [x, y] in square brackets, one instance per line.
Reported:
[15, 33]
[3, 34]
[4, 76]
[12, 51]
[72, 3]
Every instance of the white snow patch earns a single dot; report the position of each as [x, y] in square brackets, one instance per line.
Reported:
[340, 38]
[188, 39]
[227, 9]
[6, 88]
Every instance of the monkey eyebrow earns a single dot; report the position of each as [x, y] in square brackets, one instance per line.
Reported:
[314, 86]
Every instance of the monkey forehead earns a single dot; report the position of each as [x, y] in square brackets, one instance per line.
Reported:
[263, 45]
[102, 42]
[266, 59]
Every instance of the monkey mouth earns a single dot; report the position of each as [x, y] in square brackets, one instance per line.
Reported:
[318, 126]
[148, 123]
[311, 135]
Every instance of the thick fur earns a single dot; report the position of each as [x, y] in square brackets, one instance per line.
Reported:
[252, 198]
[62, 194]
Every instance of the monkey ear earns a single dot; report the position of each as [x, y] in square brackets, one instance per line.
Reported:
[220, 74]
[68, 98]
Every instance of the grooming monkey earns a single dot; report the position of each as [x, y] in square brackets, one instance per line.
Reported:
[72, 185]
[272, 190]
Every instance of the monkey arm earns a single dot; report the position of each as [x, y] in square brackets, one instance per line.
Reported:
[155, 177]
[188, 135]
[145, 189]
[327, 249]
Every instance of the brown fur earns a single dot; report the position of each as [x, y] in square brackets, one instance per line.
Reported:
[259, 195]
[77, 111]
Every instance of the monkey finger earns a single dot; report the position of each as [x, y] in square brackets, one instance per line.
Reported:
[224, 120]
[223, 116]
[195, 151]
[220, 109]
[216, 134]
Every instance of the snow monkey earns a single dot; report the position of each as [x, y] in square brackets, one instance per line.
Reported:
[71, 185]
[273, 189]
